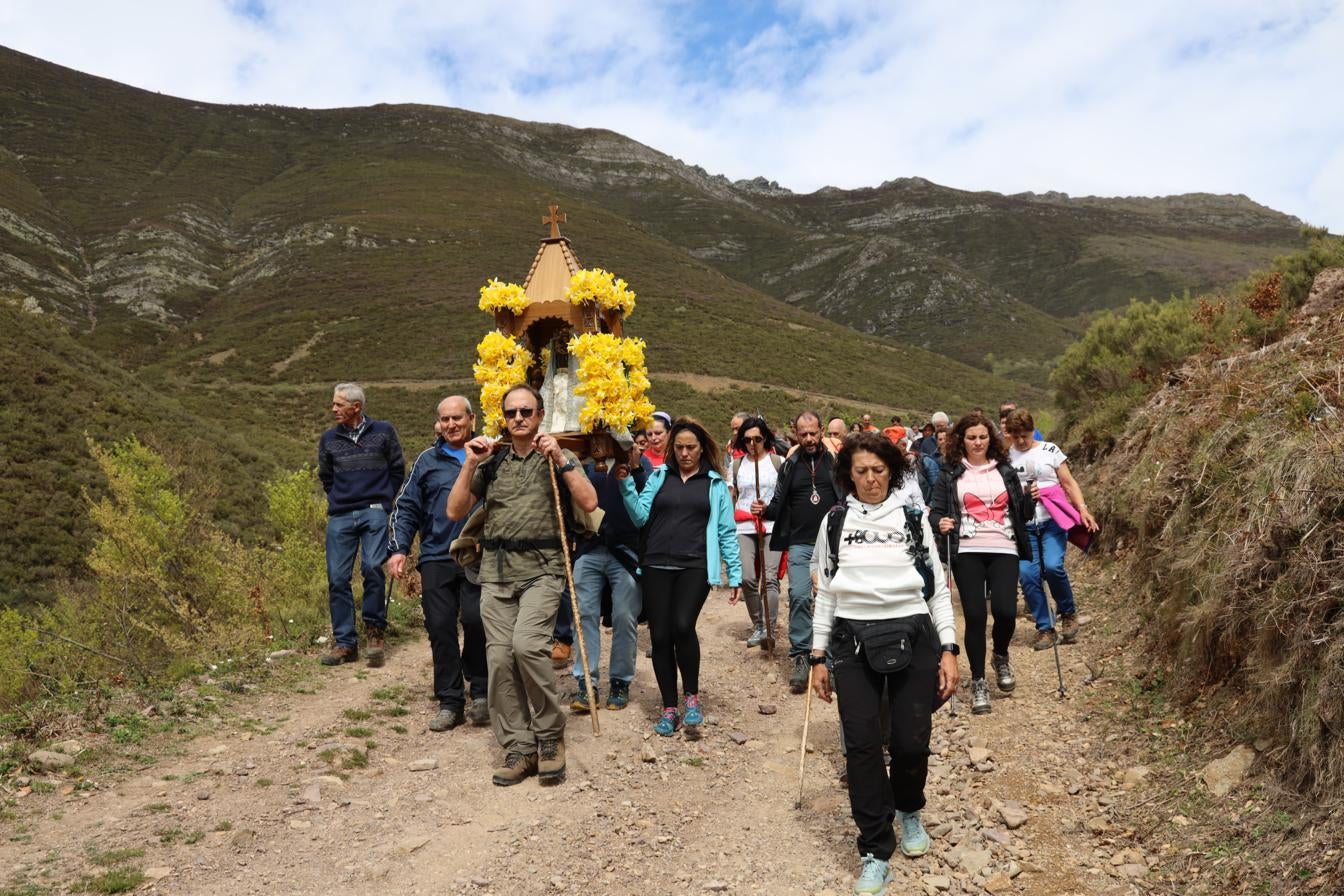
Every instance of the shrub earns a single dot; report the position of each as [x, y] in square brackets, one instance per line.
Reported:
[294, 567]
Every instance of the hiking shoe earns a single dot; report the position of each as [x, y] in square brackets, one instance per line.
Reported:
[914, 839]
[562, 654]
[1003, 672]
[979, 697]
[516, 767]
[580, 702]
[619, 696]
[668, 723]
[377, 639]
[802, 672]
[1045, 639]
[339, 654]
[1068, 627]
[479, 714]
[756, 637]
[446, 719]
[693, 717]
[873, 878]
[551, 762]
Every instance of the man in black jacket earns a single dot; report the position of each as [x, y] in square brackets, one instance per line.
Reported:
[445, 589]
[806, 490]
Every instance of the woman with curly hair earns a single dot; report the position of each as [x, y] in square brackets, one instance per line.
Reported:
[980, 512]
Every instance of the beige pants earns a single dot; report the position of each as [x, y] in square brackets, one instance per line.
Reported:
[519, 620]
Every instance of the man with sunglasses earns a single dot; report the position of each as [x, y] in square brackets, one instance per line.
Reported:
[522, 579]
[446, 592]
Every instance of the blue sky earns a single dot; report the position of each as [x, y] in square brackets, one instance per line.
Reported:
[1139, 98]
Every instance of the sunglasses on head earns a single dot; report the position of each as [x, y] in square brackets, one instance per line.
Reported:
[510, 413]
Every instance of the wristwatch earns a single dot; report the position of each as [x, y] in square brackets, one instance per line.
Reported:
[952, 649]
[569, 465]
[814, 660]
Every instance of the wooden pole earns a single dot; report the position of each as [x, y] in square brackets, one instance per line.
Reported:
[762, 571]
[802, 750]
[574, 602]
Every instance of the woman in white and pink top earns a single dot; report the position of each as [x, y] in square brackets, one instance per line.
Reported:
[980, 512]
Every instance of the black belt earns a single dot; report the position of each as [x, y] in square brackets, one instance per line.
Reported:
[499, 545]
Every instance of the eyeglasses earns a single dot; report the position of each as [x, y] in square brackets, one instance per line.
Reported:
[753, 440]
[510, 413]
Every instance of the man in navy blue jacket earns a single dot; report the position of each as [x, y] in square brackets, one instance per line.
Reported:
[445, 590]
[361, 467]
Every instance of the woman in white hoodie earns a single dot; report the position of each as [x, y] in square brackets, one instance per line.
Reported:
[884, 613]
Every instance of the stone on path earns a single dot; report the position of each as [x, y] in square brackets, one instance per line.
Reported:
[312, 793]
[156, 872]
[737, 737]
[1135, 776]
[977, 755]
[411, 844]
[974, 859]
[1013, 815]
[1221, 775]
[69, 747]
[938, 881]
[767, 709]
[50, 760]
[422, 765]
[715, 886]
[647, 753]
[998, 883]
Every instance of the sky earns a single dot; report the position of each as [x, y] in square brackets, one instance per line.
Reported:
[1087, 98]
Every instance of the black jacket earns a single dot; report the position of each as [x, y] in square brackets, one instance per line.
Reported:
[778, 509]
[946, 503]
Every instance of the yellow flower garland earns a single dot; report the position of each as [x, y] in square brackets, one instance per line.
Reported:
[503, 364]
[606, 290]
[613, 380]
[497, 296]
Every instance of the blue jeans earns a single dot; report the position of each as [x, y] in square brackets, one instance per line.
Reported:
[1048, 540]
[364, 530]
[800, 599]
[592, 571]
[564, 619]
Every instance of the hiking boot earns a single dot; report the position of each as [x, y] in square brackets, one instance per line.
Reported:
[619, 696]
[516, 767]
[479, 714]
[693, 717]
[446, 719]
[580, 702]
[377, 646]
[757, 636]
[873, 878]
[668, 723]
[979, 697]
[1003, 672]
[1068, 627]
[340, 654]
[562, 654]
[914, 839]
[551, 762]
[1045, 639]
[802, 672]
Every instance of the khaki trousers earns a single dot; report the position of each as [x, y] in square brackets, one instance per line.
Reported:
[519, 619]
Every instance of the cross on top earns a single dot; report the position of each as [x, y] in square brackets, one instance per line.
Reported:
[555, 219]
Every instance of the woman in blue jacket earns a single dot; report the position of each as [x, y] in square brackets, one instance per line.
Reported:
[683, 497]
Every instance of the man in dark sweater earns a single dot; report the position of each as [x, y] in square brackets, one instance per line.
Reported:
[445, 589]
[805, 491]
[361, 467]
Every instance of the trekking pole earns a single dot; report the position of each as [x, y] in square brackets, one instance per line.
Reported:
[802, 750]
[947, 573]
[1040, 566]
[574, 603]
[761, 573]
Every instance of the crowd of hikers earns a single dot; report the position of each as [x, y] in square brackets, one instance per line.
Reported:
[856, 529]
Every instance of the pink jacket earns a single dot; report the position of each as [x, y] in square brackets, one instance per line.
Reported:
[1056, 501]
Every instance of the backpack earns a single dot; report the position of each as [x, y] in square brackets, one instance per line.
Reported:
[774, 459]
[914, 518]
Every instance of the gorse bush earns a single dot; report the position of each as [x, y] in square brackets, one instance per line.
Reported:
[294, 569]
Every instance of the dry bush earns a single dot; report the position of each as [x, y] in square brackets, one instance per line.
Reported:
[1228, 492]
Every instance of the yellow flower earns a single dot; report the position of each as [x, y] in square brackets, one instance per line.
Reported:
[497, 296]
[601, 288]
[613, 381]
[503, 364]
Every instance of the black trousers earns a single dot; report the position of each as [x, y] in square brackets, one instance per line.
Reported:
[874, 793]
[973, 571]
[673, 599]
[445, 595]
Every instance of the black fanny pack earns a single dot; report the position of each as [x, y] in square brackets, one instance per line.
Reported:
[888, 644]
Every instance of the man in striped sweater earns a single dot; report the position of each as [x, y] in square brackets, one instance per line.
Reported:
[361, 467]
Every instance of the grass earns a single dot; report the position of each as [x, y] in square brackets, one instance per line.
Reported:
[358, 732]
[112, 857]
[116, 880]
[357, 715]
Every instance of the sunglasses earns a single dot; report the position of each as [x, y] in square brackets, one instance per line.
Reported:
[753, 440]
[510, 413]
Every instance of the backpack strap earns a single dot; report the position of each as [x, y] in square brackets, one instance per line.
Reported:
[835, 524]
[914, 528]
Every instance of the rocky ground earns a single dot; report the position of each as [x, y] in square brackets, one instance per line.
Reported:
[335, 785]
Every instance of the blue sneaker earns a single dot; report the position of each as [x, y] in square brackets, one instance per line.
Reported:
[669, 723]
[914, 839]
[580, 703]
[873, 877]
[694, 717]
[619, 695]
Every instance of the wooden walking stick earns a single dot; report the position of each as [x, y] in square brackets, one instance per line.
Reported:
[802, 750]
[574, 602]
[761, 571]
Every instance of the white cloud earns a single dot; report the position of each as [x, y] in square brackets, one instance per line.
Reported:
[1108, 99]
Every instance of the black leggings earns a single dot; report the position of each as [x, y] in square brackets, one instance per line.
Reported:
[673, 599]
[972, 571]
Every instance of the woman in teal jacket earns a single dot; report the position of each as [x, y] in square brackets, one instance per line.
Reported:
[681, 499]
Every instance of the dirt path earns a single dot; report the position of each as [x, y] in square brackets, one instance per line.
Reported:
[263, 805]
